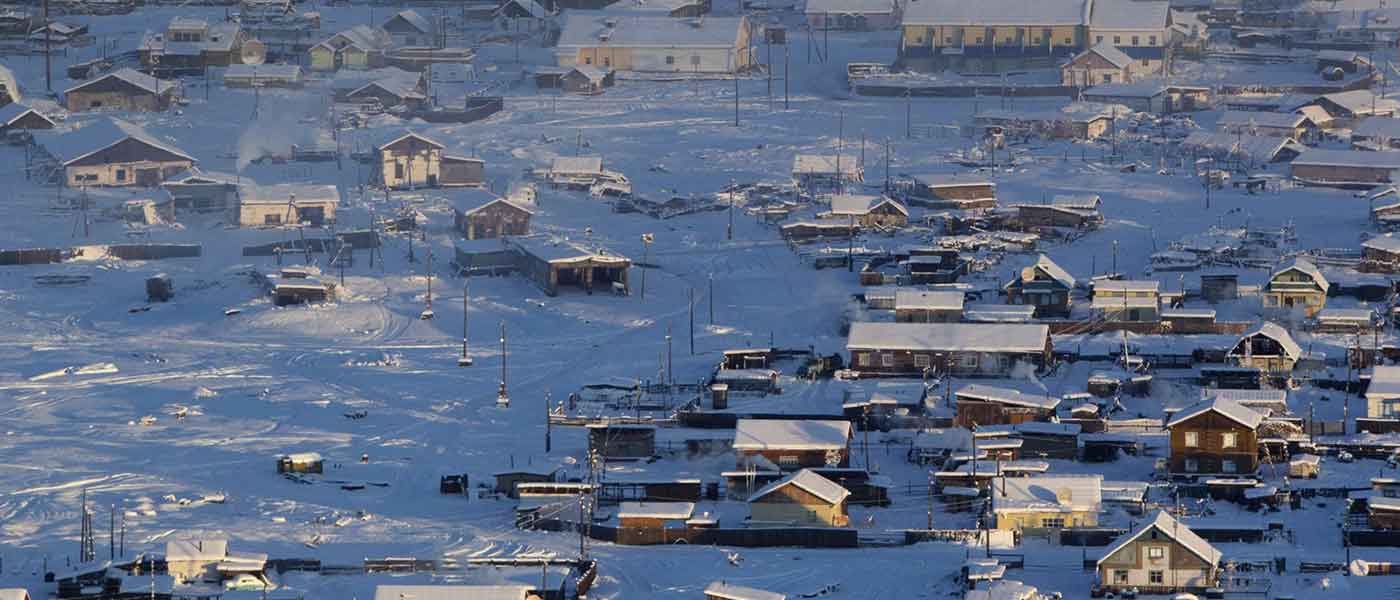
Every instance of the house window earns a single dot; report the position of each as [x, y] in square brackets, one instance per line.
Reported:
[948, 41]
[921, 361]
[1154, 577]
[121, 174]
[1193, 439]
[863, 359]
[787, 460]
[1228, 466]
[588, 60]
[1098, 39]
[1228, 440]
[1146, 62]
[1108, 78]
[1068, 41]
[968, 361]
[607, 61]
[398, 170]
[1152, 40]
[670, 60]
[1135, 40]
[978, 40]
[273, 219]
[1053, 522]
[1120, 576]
[1156, 552]
[1117, 39]
[887, 360]
[1192, 465]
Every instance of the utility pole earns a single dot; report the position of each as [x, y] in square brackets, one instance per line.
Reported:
[465, 360]
[786, 64]
[851, 246]
[48, 59]
[428, 310]
[670, 375]
[692, 321]
[736, 96]
[502, 399]
[840, 141]
[646, 247]
[548, 424]
[712, 298]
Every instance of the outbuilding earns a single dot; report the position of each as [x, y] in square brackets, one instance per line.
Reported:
[112, 152]
[801, 499]
[123, 89]
[481, 214]
[791, 444]
[967, 349]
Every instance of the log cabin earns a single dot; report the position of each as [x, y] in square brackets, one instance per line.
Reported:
[1217, 436]
[1160, 556]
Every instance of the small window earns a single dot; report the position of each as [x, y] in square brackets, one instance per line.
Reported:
[1098, 39]
[948, 41]
[607, 61]
[398, 170]
[272, 219]
[887, 360]
[1229, 440]
[1068, 41]
[1156, 552]
[1146, 62]
[863, 359]
[1053, 523]
[1152, 40]
[1228, 466]
[787, 460]
[670, 60]
[1192, 465]
[1135, 40]
[1155, 577]
[588, 60]
[1120, 576]
[1117, 39]
[968, 361]
[121, 174]
[979, 40]
[1108, 78]
[695, 59]
[1192, 439]
[921, 361]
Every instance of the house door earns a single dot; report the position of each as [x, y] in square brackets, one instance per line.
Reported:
[148, 177]
[432, 180]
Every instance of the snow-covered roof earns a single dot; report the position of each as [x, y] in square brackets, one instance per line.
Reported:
[809, 481]
[14, 594]
[1043, 428]
[1361, 102]
[412, 17]
[1317, 157]
[99, 134]
[998, 12]
[729, 591]
[1188, 313]
[1047, 493]
[850, 7]
[1247, 396]
[791, 434]
[1005, 589]
[1077, 201]
[304, 457]
[286, 193]
[394, 138]
[1111, 53]
[924, 300]
[1124, 491]
[1385, 383]
[473, 201]
[1345, 314]
[670, 511]
[998, 313]
[1001, 395]
[1174, 530]
[576, 165]
[1384, 243]
[973, 337]
[1127, 90]
[1250, 118]
[535, 9]
[1280, 335]
[1306, 267]
[14, 111]
[1223, 406]
[861, 204]
[1053, 270]
[952, 438]
[804, 164]
[131, 76]
[7, 79]
[1114, 303]
[1130, 15]
[364, 37]
[452, 592]
[270, 72]
[1377, 127]
[1383, 503]
[196, 550]
[555, 250]
[586, 29]
[1123, 286]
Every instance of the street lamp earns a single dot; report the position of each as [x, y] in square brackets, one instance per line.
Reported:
[464, 361]
[647, 239]
[503, 400]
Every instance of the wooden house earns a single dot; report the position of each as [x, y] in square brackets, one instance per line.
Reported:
[914, 306]
[1383, 513]
[481, 215]
[389, 92]
[409, 160]
[990, 37]
[1300, 285]
[14, 594]
[1047, 501]
[965, 349]
[506, 480]
[1272, 124]
[613, 441]
[1128, 301]
[869, 211]
[949, 191]
[1053, 215]
[587, 80]
[9, 85]
[1268, 348]
[1050, 124]
[287, 204]
[18, 117]
[111, 152]
[935, 266]
[1379, 253]
[1159, 556]
[1150, 97]
[301, 462]
[654, 515]
[1219, 288]
[409, 28]
[195, 560]
[554, 263]
[189, 45]
[1188, 320]
[461, 171]
[789, 445]
[803, 499]
[359, 47]
[1044, 285]
[1101, 63]
[979, 405]
[201, 191]
[1344, 168]
[703, 44]
[1383, 393]
[719, 590]
[502, 591]
[123, 89]
[1376, 133]
[271, 76]
[1216, 436]
[826, 171]
[1350, 106]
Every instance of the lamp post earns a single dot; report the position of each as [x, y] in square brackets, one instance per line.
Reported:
[464, 361]
[503, 400]
[647, 239]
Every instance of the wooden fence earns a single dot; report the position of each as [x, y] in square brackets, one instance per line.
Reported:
[806, 537]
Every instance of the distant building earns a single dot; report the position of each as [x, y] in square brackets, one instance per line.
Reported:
[123, 89]
[409, 160]
[789, 445]
[1345, 168]
[968, 349]
[992, 35]
[359, 47]
[1150, 97]
[826, 171]
[18, 117]
[803, 499]
[1044, 285]
[1276, 124]
[1376, 133]
[1140, 29]
[1159, 556]
[852, 15]
[1102, 63]
[201, 191]
[1383, 395]
[1269, 348]
[552, 264]
[1128, 301]
[459, 592]
[409, 28]
[656, 44]
[287, 204]
[950, 191]
[870, 211]
[481, 215]
[587, 80]
[9, 87]
[985, 405]
[719, 590]
[461, 171]
[278, 76]
[1299, 285]
[190, 44]
[917, 306]
[1047, 502]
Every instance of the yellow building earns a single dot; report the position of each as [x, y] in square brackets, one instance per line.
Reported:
[655, 44]
[1047, 502]
[803, 499]
[992, 34]
[409, 160]
[359, 47]
[1298, 286]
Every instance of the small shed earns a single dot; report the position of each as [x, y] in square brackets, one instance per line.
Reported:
[654, 515]
[914, 306]
[587, 80]
[506, 481]
[1220, 288]
[616, 441]
[720, 590]
[803, 498]
[1305, 466]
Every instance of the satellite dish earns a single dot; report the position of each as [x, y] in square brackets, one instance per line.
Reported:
[1028, 274]
[253, 53]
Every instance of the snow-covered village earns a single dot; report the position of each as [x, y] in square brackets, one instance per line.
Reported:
[711, 299]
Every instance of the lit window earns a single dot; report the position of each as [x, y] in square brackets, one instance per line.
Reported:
[1228, 440]
[1152, 40]
[1135, 40]
[1117, 39]
[1156, 552]
[670, 60]
[863, 359]
[1193, 439]
[1053, 523]
[887, 360]
[1120, 576]
[787, 460]
[968, 361]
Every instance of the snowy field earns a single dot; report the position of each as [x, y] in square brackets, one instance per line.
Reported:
[80, 373]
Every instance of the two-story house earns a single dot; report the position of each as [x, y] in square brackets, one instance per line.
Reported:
[1128, 301]
[1159, 556]
[1140, 29]
[1269, 348]
[1044, 285]
[1299, 285]
[1217, 436]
